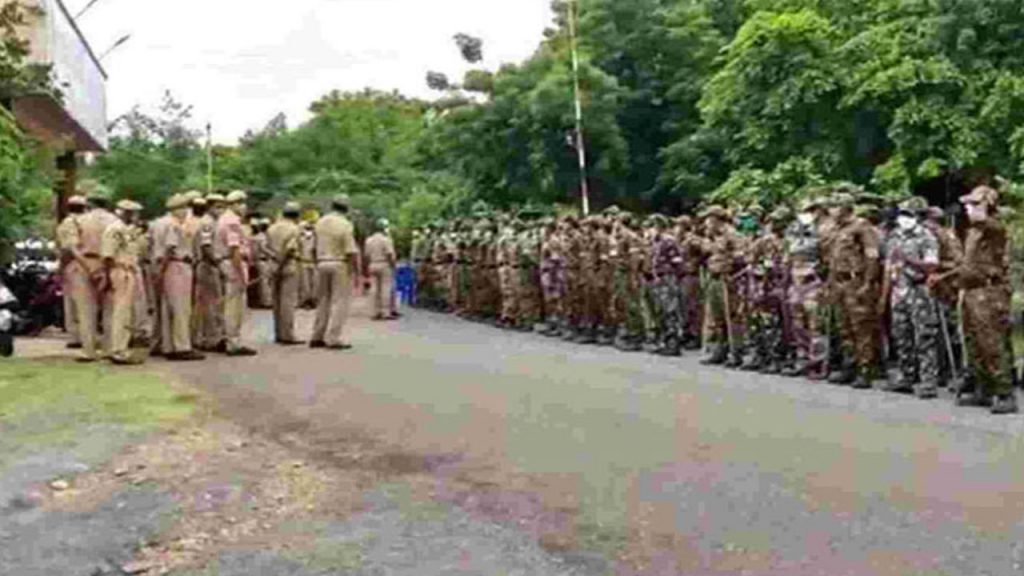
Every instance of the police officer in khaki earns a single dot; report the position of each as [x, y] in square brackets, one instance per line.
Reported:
[208, 324]
[232, 249]
[120, 267]
[89, 296]
[336, 256]
[69, 236]
[175, 280]
[380, 260]
[285, 251]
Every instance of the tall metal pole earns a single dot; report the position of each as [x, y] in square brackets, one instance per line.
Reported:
[580, 148]
[209, 158]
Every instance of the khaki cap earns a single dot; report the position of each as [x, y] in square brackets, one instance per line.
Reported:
[237, 197]
[129, 206]
[215, 199]
[77, 200]
[199, 201]
[716, 212]
[192, 195]
[291, 208]
[981, 195]
[177, 201]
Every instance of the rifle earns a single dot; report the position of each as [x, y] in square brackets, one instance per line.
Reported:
[946, 339]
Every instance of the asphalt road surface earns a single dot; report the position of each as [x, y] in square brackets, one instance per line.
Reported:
[658, 466]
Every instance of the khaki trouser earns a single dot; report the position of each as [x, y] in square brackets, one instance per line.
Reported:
[86, 306]
[177, 308]
[122, 301]
[265, 286]
[70, 313]
[142, 324]
[308, 288]
[383, 294]
[236, 287]
[156, 290]
[286, 300]
[209, 324]
[333, 296]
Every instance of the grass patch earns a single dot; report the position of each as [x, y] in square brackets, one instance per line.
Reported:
[49, 402]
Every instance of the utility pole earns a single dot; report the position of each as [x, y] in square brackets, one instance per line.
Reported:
[120, 42]
[577, 97]
[209, 158]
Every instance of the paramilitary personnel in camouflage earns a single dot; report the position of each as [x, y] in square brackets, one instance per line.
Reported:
[913, 256]
[804, 263]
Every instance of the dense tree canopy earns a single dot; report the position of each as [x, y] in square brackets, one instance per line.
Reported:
[683, 100]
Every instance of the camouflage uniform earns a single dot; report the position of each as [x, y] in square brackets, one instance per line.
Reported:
[508, 266]
[552, 279]
[854, 269]
[722, 247]
[915, 324]
[530, 296]
[628, 265]
[666, 259]
[768, 345]
[951, 255]
[805, 311]
[689, 285]
[983, 276]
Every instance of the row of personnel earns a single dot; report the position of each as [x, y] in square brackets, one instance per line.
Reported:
[834, 291]
[179, 284]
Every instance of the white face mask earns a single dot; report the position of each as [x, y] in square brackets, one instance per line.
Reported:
[906, 222]
[975, 212]
[805, 218]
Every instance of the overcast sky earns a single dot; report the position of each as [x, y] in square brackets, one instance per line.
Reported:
[240, 62]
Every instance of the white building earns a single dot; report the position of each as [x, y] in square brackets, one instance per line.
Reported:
[77, 123]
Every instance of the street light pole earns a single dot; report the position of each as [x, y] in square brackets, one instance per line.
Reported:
[577, 97]
[116, 45]
[209, 158]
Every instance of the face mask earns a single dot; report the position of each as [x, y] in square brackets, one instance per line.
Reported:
[906, 222]
[805, 218]
[975, 212]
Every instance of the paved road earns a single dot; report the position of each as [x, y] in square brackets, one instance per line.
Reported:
[696, 470]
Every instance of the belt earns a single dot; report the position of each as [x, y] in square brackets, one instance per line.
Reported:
[92, 256]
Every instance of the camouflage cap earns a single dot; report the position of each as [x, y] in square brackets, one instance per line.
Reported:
[753, 210]
[981, 195]
[915, 205]
[716, 212]
[866, 210]
[684, 220]
[808, 204]
[612, 210]
[843, 200]
[781, 214]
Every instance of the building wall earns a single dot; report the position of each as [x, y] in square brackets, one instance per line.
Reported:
[55, 40]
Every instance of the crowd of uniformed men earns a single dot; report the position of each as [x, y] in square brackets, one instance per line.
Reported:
[179, 285]
[840, 289]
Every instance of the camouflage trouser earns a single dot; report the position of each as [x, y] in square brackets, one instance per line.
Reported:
[719, 314]
[690, 307]
[508, 283]
[530, 298]
[648, 309]
[915, 335]
[552, 282]
[859, 328]
[629, 309]
[986, 323]
[575, 297]
[765, 334]
[668, 317]
[810, 342]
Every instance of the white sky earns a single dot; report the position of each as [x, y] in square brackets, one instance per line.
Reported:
[240, 62]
